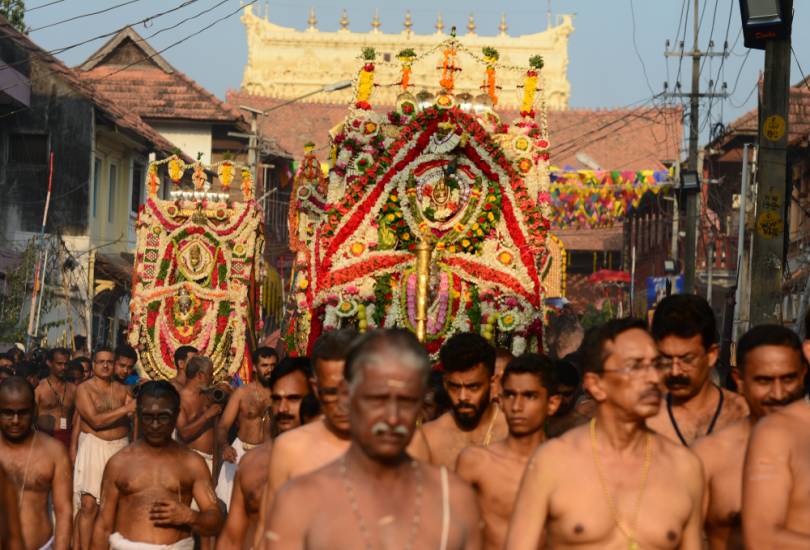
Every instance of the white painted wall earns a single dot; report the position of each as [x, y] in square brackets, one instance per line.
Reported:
[191, 138]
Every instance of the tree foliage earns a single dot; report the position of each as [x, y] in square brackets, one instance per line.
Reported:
[14, 11]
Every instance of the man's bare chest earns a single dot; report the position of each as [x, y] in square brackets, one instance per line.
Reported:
[31, 471]
[254, 404]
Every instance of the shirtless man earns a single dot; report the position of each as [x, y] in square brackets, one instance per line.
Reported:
[375, 495]
[684, 330]
[39, 467]
[289, 384]
[249, 406]
[197, 418]
[468, 362]
[613, 484]
[570, 413]
[529, 396]
[124, 368]
[182, 356]
[104, 406]
[10, 529]
[309, 447]
[770, 375]
[55, 397]
[148, 487]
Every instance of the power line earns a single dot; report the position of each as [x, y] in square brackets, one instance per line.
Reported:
[90, 14]
[635, 47]
[43, 6]
[799, 65]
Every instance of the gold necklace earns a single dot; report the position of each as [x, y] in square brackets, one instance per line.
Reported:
[627, 530]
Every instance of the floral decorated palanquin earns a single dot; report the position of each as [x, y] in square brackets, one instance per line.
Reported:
[439, 170]
[195, 271]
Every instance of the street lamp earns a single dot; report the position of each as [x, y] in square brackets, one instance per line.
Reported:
[764, 20]
[334, 87]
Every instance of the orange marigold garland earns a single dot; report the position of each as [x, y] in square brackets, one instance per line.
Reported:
[491, 57]
[176, 168]
[247, 184]
[407, 58]
[154, 182]
[449, 68]
[225, 172]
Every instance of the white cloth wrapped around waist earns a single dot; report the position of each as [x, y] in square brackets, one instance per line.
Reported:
[48, 545]
[92, 456]
[118, 542]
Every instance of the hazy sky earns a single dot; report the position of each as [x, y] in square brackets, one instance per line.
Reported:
[604, 70]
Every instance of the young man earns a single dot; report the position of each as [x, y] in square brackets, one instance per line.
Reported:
[39, 467]
[124, 368]
[55, 398]
[468, 362]
[10, 529]
[613, 483]
[568, 415]
[289, 385]
[776, 476]
[249, 407]
[770, 374]
[148, 487]
[528, 397]
[375, 495]
[182, 355]
[684, 330]
[104, 407]
[309, 447]
[197, 417]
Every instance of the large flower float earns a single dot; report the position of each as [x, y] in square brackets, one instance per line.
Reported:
[196, 263]
[433, 216]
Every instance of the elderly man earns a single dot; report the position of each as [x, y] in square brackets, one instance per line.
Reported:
[468, 363]
[39, 467]
[55, 397]
[104, 406]
[375, 495]
[309, 447]
[528, 397]
[770, 373]
[249, 407]
[613, 483]
[685, 331]
[148, 487]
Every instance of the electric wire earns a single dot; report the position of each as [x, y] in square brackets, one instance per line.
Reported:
[43, 6]
[83, 15]
[635, 47]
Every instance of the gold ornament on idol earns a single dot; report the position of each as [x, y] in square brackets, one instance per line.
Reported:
[628, 530]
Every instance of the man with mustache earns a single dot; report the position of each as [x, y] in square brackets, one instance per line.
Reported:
[613, 483]
[375, 495]
[124, 368]
[770, 374]
[685, 331]
[289, 383]
[39, 467]
[311, 446]
[776, 476]
[468, 363]
[148, 487]
[56, 397]
[249, 407]
[528, 397]
[104, 407]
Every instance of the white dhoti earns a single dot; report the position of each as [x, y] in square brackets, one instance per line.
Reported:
[209, 461]
[228, 472]
[117, 542]
[92, 455]
[48, 545]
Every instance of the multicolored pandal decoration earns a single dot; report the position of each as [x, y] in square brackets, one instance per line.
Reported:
[441, 178]
[588, 198]
[195, 274]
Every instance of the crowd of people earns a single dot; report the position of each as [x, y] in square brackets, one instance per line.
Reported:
[621, 436]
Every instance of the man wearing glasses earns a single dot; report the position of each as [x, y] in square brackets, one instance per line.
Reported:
[613, 483]
[307, 448]
[685, 331]
[149, 506]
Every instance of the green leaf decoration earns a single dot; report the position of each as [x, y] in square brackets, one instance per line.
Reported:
[369, 54]
[491, 52]
[536, 62]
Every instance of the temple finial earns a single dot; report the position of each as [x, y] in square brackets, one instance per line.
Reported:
[471, 25]
[344, 21]
[408, 24]
[502, 27]
[375, 21]
[439, 24]
[312, 21]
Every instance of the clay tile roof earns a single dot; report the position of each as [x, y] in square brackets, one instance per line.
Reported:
[619, 139]
[131, 72]
[119, 116]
